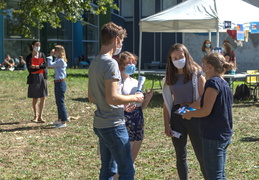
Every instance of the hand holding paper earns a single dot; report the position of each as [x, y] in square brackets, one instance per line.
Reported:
[182, 110]
[141, 81]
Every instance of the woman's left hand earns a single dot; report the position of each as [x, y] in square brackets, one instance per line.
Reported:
[130, 107]
[149, 95]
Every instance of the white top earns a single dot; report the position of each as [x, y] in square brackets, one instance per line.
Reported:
[129, 86]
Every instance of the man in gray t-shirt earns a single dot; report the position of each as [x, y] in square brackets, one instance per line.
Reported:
[107, 115]
[104, 89]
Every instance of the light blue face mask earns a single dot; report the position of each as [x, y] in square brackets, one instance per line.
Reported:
[207, 45]
[130, 69]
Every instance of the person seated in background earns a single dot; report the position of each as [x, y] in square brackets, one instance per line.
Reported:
[8, 63]
[232, 54]
[21, 64]
[206, 47]
[229, 54]
[226, 52]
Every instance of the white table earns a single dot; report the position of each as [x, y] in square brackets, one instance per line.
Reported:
[232, 77]
[160, 73]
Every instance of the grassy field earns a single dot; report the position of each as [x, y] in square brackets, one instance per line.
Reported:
[30, 151]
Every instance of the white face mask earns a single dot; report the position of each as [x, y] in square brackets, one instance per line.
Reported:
[205, 70]
[179, 64]
[118, 50]
[36, 48]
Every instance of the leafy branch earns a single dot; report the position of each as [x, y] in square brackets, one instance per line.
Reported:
[34, 14]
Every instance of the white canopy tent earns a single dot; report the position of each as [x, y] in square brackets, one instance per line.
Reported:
[199, 16]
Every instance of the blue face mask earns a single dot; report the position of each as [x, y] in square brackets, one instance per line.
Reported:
[207, 45]
[130, 69]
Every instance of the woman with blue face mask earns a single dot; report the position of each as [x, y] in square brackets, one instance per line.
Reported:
[133, 112]
[183, 86]
[206, 47]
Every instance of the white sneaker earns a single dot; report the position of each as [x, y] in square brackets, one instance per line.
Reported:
[61, 125]
[11, 68]
[57, 123]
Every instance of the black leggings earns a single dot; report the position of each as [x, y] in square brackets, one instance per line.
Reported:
[186, 127]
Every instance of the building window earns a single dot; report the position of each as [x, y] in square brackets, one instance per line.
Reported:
[169, 3]
[63, 33]
[148, 7]
[91, 36]
[127, 8]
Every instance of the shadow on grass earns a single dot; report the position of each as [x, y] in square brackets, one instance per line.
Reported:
[81, 99]
[156, 101]
[245, 103]
[11, 123]
[27, 128]
[249, 139]
[77, 75]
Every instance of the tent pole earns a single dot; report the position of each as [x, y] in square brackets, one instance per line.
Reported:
[140, 48]
[218, 36]
[210, 36]
[183, 38]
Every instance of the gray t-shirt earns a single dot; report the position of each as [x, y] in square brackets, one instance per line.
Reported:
[183, 93]
[102, 68]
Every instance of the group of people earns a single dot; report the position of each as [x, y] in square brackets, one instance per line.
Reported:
[227, 51]
[37, 64]
[118, 120]
[13, 64]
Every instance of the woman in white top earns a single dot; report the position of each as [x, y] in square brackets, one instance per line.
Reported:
[133, 113]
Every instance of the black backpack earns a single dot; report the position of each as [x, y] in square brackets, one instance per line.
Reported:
[242, 92]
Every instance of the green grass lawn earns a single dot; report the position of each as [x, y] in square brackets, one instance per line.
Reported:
[30, 151]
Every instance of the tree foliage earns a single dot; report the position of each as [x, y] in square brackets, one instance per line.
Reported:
[35, 13]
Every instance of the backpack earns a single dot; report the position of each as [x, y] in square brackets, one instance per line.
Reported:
[242, 92]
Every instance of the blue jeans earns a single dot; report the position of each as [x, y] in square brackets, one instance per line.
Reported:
[214, 155]
[115, 153]
[60, 89]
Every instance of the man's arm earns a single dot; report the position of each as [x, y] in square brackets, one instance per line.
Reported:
[90, 96]
[112, 97]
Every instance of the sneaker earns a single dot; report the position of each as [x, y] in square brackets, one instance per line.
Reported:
[61, 125]
[57, 123]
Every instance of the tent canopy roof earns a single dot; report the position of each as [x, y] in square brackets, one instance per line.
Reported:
[201, 16]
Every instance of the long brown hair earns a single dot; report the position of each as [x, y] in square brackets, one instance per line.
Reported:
[227, 47]
[190, 67]
[204, 45]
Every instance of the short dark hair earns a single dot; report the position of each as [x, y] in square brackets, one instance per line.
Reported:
[110, 31]
[32, 44]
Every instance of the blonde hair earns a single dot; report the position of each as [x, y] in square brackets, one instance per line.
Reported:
[61, 52]
[218, 61]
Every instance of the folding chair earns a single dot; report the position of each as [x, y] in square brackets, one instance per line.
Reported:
[252, 81]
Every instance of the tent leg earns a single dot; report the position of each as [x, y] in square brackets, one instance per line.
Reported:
[140, 48]
[217, 37]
